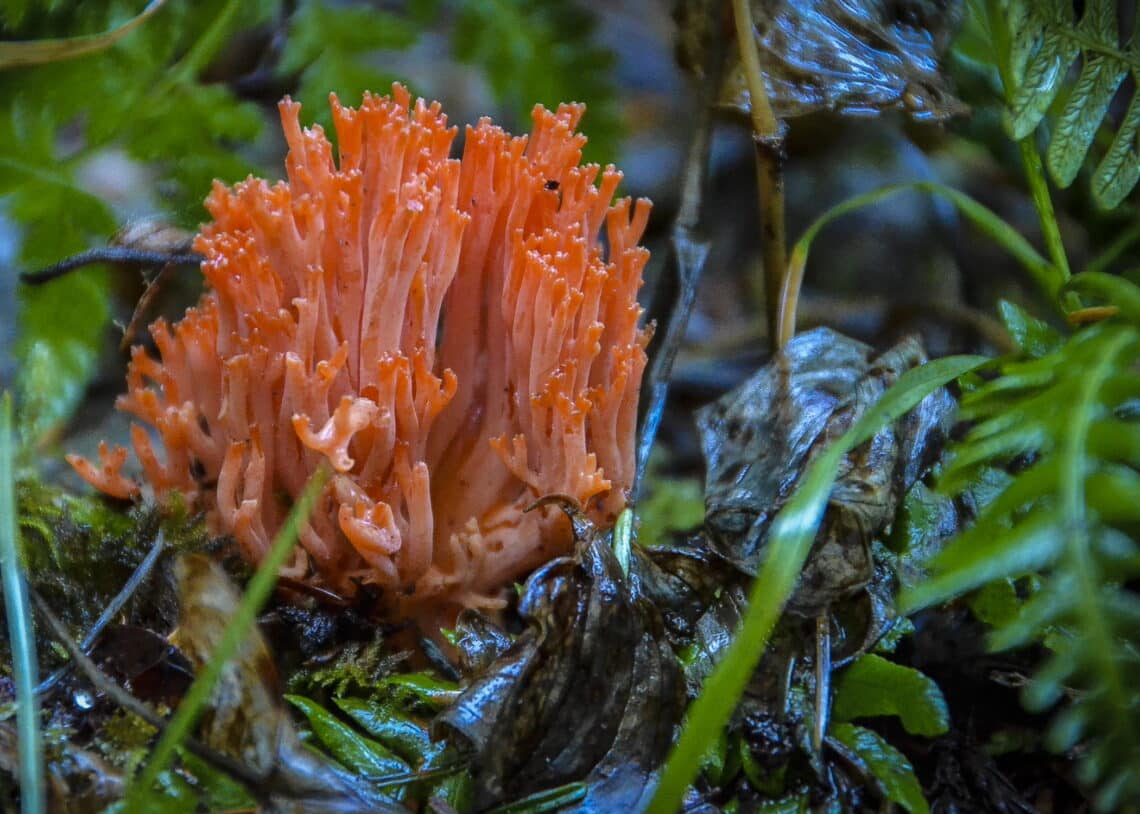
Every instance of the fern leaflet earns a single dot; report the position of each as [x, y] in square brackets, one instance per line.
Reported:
[1070, 515]
[1044, 41]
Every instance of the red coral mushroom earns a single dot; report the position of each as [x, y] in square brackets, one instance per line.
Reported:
[450, 335]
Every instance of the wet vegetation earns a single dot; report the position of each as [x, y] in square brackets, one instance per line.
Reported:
[880, 548]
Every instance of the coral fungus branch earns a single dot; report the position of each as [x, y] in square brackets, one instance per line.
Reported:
[451, 336]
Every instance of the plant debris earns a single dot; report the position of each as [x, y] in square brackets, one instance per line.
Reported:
[589, 691]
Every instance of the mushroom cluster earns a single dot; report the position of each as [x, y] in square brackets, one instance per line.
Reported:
[451, 335]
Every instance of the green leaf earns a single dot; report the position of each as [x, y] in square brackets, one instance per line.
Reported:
[888, 765]
[1033, 336]
[456, 790]
[873, 686]
[1114, 493]
[178, 796]
[12, 12]
[922, 518]
[542, 802]
[221, 792]
[1068, 517]
[141, 96]
[985, 219]
[61, 327]
[1112, 289]
[789, 541]
[361, 754]
[1036, 43]
[974, 558]
[1077, 125]
[422, 689]
[35, 52]
[395, 730]
[718, 766]
[996, 603]
[1031, 624]
[348, 29]
[62, 323]
[1119, 170]
[672, 505]
[1041, 56]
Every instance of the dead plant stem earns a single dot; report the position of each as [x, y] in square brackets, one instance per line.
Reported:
[768, 135]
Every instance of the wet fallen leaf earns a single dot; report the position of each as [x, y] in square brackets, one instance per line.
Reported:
[589, 691]
[850, 58]
[760, 438]
[831, 55]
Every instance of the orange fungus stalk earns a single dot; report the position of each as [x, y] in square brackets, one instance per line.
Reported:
[450, 335]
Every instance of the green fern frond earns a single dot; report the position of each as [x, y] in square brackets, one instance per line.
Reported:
[1044, 41]
[1072, 516]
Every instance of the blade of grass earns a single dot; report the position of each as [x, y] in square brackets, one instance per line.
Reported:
[19, 615]
[989, 222]
[198, 696]
[1115, 249]
[21, 54]
[789, 542]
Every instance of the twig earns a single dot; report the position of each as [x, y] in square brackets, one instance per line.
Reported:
[688, 251]
[124, 699]
[112, 610]
[116, 255]
[768, 136]
[822, 682]
[687, 256]
[153, 286]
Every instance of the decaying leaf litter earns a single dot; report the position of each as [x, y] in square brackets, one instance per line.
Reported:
[571, 696]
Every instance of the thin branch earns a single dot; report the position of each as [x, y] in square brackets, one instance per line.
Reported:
[115, 255]
[768, 135]
[676, 291]
[138, 317]
[687, 256]
[124, 699]
[112, 610]
[764, 121]
[822, 682]
[773, 249]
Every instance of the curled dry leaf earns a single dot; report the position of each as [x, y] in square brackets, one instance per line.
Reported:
[591, 690]
[759, 439]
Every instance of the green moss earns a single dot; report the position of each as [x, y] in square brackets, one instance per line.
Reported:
[79, 551]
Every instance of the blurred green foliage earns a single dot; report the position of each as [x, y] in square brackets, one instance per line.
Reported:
[187, 97]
